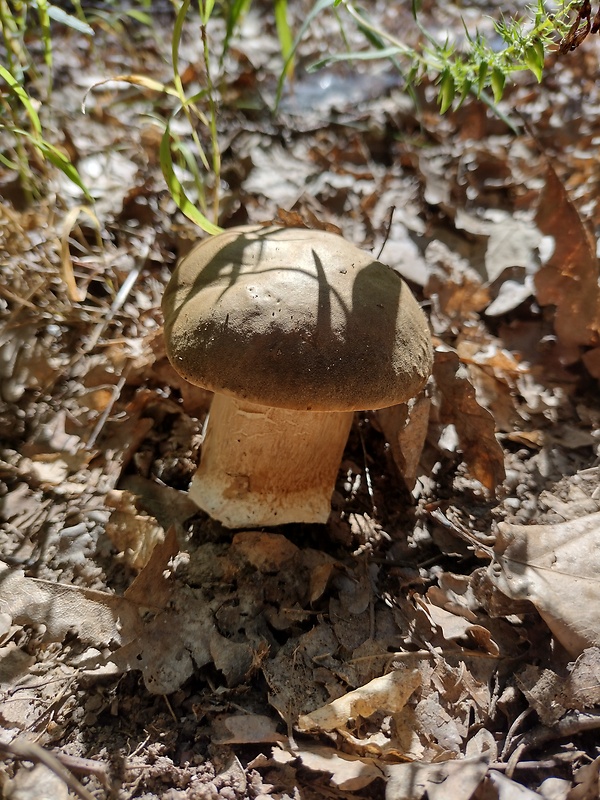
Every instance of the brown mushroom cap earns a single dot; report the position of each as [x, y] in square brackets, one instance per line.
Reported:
[295, 318]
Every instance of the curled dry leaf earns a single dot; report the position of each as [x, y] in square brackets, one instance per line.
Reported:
[135, 535]
[587, 781]
[474, 425]
[388, 693]
[569, 280]
[405, 427]
[556, 568]
[457, 627]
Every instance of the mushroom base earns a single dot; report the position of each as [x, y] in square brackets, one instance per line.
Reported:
[268, 466]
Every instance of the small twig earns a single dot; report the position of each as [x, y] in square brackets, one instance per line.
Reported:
[512, 731]
[119, 300]
[387, 231]
[570, 725]
[464, 533]
[116, 393]
[513, 761]
[30, 751]
[367, 473]
[170, 707]
[85, 766]
[549, 763]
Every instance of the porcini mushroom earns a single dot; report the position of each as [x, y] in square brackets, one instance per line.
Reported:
[293, 330]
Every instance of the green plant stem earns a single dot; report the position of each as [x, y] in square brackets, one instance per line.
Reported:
[214, 138]
[10, 32]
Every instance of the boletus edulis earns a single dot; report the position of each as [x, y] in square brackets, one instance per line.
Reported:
[293, 330]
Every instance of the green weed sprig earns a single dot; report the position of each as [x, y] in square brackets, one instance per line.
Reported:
[475, 66]
[30, 143]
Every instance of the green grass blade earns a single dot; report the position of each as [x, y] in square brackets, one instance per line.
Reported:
[236, 11]
[175, 43]
[23, 98]
[177, 191]
[318, 7]
[62, 163]
[54, 156]
[206, 8]
[140, 16]
[42, 7]
[68, 20]
[284, 34]
[12, 165]
[363, 55]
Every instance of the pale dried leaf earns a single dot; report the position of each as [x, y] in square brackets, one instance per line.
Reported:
[348, 773]
[248, 729]
[266, 552]
[173, 644]
[455, 780]
[556, 568]
[587, 782]
[582, 688]
[457, 626]
[151, 588]
[388, 693]
[512, 243]
[133, 535]
[37, 783]
[507, 789]
[542, 688]
[437, 727]
[97, 618]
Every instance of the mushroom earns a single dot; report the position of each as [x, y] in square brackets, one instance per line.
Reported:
[293, 330]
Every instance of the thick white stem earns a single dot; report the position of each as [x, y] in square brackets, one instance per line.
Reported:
[268, 466]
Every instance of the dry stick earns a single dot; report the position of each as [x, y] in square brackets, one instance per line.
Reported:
[116, 393]
[367, 472]
[119, 300]
[512, 731]
[85, 766]
[30, 751]
[572, 723]
[387, 231]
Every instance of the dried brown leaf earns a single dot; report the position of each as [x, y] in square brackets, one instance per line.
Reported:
[348, 773]
[97, 618]
[247, 729]
[405, 428]
[266, 552]
[452, 779]
[474, 425]
[556, 568]
[134, 535]
[569, 280]
[582, 687]
[150, 588]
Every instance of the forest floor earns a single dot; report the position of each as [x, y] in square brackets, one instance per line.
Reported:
[439, 636]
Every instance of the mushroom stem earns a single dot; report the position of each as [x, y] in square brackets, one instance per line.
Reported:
[268, 466]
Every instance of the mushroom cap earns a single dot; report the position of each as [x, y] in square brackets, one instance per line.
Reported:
[295, 318]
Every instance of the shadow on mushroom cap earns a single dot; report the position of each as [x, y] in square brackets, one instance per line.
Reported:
[295, 318]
